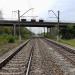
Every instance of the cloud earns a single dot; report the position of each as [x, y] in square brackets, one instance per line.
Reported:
[41, 7]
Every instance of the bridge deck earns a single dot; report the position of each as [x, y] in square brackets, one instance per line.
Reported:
[32, 24]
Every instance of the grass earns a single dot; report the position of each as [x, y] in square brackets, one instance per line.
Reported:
[69, 42]
[5, 46]
[3, 51]
[51, 37]
[3, 40]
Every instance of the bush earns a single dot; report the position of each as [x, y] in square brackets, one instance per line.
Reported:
[11, 39]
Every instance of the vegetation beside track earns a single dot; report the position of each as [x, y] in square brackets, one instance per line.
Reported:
[67, 35]
[5, 47]
[8, 41]
[69, 42]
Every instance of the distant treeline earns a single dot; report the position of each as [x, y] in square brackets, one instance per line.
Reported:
[10, 31]
[68, 32]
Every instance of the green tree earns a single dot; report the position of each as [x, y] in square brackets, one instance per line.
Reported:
[68, 32]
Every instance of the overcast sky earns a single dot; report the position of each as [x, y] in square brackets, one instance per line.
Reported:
[41, 7]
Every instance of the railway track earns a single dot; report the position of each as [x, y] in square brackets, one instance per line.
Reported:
[41, 63]
[65, 51]
[48, 59]
[17, 62]
[39, 57]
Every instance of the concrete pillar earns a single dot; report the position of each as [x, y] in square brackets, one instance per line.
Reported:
[51, 31]
[44, 31]
[47, 30]
[14, 29]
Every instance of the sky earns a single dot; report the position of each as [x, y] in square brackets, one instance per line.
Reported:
[41, 7]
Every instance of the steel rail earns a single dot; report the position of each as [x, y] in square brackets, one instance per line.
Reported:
[29, 62]
[70, 50]
[9, 55]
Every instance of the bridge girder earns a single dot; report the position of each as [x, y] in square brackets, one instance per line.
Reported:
[33, 24]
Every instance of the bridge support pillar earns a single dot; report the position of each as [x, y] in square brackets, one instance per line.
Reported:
[44, 31]
[14, 29]
[47, 30]
[51, 31]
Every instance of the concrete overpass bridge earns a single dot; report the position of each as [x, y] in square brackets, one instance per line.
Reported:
[32, 24]
[50, 25]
